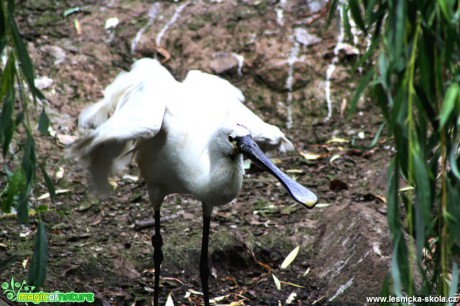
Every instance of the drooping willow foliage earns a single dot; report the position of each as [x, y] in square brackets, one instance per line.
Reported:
[17, 140]
[414, 78]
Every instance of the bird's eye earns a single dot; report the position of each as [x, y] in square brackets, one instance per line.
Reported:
[231, 138]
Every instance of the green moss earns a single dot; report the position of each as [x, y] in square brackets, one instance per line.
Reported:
[196, 23]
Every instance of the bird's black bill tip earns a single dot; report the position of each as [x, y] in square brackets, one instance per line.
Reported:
[251, 150]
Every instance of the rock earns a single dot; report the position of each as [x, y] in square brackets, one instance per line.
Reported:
[304, 38]
[57, 52]
[223, 62]
[274, 73]
[43, 82]
[353, 254]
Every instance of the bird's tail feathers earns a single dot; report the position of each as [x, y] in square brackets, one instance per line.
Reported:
[102, 160]
[285, 145]
[270, 137]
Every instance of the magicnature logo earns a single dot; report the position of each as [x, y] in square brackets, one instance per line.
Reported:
[23, 293]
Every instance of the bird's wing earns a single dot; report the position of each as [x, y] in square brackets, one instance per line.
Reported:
[138, 101]
[222, 94]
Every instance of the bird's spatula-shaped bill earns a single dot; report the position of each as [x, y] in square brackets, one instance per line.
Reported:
[251, 150]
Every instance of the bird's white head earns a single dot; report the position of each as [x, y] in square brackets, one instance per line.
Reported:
[225, 139]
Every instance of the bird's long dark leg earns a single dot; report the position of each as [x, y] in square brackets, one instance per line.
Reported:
[157, 242]
[204, 269]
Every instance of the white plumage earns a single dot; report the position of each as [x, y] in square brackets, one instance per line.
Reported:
[187, 137]
[148, 100]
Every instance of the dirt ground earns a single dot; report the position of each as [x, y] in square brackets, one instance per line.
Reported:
[95, 245]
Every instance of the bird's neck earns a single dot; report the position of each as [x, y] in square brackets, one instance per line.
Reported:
[226, 177]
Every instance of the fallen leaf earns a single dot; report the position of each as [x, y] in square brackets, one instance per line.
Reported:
[290, 258]
[66, 139]
[24, 262]
[311, 155]
[77, 26]
[163, 52]
[337, 140]
[292, 284]
[149, 289]
[96, 222]
[71, 11]
[59, 173]
[172, 281]
[343, 106]
[277, 282]
[169, 300]
[191, 291]
[47, 195]
[291, 298]
[219, 298]
[295, 171]
[130, 178]
[333, 158]
[113, 183]
[111, 23]
[322, 205]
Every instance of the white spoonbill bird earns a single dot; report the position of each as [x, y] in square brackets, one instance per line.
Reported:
[187, 137]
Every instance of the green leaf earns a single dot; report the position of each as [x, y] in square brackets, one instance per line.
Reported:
[367, 55]
[16, 185]
[371, 17]
[24, 60]
[399, 13]
[6, 124]
[42, 208]
[393, 204]
[453, 156]
[28, 165]
[395, 271]
[377, 136]
[383, 71]
[445, 9]
[332, 11]
[2, 30]
[345, 23]
[450, 100]
[29, 159]
[453, 191]
[37, 272]
[49, 184]
[43, 123]
[23, 206]
[356, 14]
[423, 184]
[365, 80]
[7, 93]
